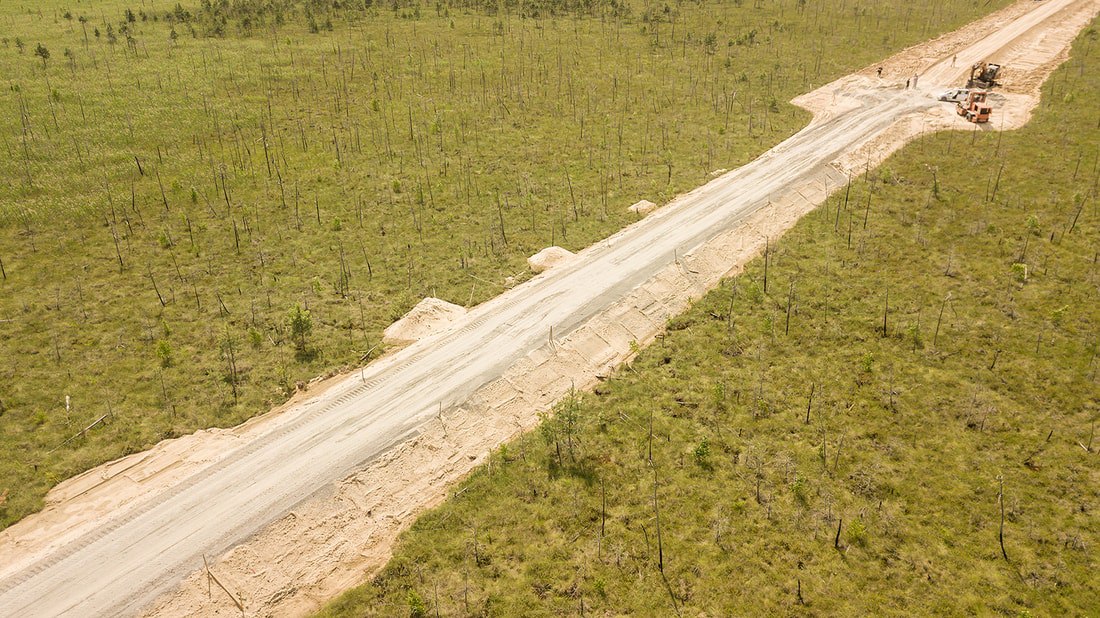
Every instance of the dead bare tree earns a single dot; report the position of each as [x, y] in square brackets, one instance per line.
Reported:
[1001, 503]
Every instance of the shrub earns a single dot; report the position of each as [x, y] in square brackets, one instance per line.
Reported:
[164, 353]
[301, 324]
[702, 454]
[857, 533]
[417, 606]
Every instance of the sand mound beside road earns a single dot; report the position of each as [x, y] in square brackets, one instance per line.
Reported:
[548, 258]
[643, 207]
[429, 316]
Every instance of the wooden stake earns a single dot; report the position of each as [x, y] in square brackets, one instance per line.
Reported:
[210, 575]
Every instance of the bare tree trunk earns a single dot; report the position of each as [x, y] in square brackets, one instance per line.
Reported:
[1001, 531]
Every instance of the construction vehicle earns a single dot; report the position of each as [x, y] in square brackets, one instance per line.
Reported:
[974, 108]
[983, 75]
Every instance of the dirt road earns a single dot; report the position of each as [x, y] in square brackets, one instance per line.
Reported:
[137, 554]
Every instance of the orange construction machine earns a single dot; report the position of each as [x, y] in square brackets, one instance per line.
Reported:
[974, 108]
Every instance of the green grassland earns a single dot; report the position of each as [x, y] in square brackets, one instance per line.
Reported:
[837, 431]
[176, 181]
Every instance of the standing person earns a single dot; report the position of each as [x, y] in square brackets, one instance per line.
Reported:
[880, 71]
[914, 81]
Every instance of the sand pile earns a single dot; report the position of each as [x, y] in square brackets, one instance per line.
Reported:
[643, 207]
[429, 316]
[548, 258]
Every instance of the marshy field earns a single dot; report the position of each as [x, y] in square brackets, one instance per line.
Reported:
[204, 205]
[892, 412]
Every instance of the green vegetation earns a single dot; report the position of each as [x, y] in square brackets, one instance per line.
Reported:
[922, 440]
[175, 180]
